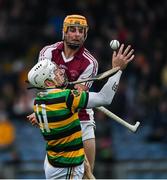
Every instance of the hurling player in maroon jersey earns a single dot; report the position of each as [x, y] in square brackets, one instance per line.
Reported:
[71, 55]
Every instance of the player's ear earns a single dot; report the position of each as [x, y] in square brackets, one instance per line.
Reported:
[49, 83]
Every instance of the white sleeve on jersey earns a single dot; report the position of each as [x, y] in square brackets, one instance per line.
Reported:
[46, 52]
[106, 94]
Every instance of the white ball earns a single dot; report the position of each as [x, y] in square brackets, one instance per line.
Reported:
[114, 44]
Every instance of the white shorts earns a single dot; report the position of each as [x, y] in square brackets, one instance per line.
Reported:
[88, 130]
[51, 172]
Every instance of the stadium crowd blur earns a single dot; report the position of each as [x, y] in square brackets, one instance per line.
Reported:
[27, 26]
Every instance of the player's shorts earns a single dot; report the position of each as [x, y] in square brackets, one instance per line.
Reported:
[51, 172]
[88, 130]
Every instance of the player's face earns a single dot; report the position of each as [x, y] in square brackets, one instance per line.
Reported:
[60, 77]
[75, 36]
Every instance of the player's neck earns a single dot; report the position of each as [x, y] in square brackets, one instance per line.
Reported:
[68, 52]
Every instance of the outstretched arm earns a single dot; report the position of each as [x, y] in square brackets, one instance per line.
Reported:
[105, 96]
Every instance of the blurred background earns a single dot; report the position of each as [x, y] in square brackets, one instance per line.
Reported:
[27, 26]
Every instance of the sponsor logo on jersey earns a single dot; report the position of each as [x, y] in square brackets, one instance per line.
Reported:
[115, 87]
[74, 75]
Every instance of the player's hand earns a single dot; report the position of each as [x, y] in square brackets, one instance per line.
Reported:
[87, 173]
[32, 119]
[122, 57]
[81, 87]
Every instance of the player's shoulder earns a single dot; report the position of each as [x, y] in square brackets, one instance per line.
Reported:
[58, 93]
[75, 93]
[88, 56]
[51, 46]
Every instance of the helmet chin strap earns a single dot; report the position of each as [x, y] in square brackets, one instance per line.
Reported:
[73, 46]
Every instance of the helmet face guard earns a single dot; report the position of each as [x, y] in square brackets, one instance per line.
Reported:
[75, 20]
[47, 70]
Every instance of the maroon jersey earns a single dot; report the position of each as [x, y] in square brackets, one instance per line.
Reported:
[81, 65]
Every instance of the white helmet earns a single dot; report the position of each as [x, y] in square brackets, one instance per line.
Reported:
[42, 71]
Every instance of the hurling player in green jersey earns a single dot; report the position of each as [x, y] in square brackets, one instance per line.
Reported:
[56, 108]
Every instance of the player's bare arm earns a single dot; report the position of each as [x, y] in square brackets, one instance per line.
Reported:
[88, 172]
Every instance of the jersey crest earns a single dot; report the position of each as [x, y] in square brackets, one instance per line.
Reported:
[76, 93]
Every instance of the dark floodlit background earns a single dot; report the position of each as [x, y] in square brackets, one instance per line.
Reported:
[27, 26]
